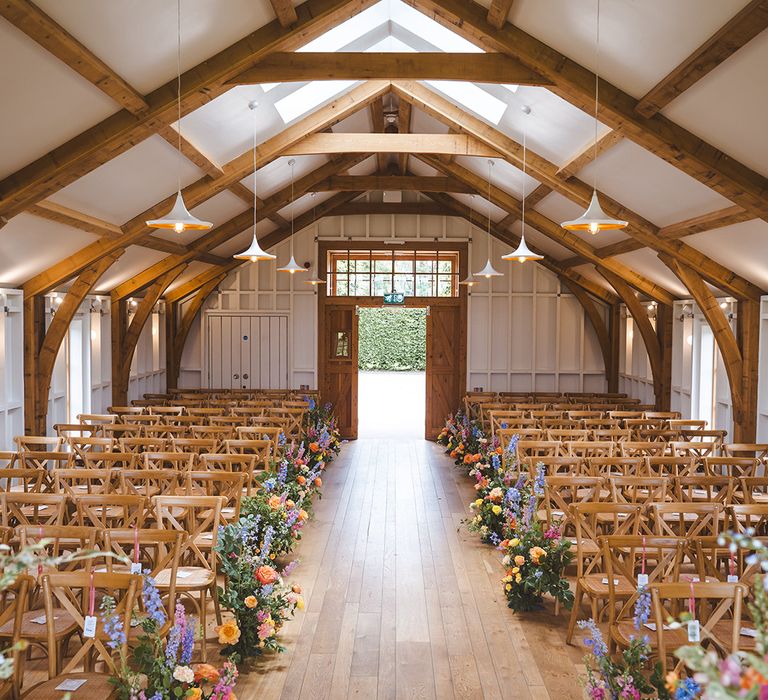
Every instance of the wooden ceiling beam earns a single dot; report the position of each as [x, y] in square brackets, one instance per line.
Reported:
[455, 144]
[205, 188]
[285, 12]
[531, 201]
[286, 67]
[43, 29]
[377, 127]
[744, 26]
[576, 84]
[404, 127]
[391, 183]
[574, 189]
[200, 84]
[586, 156]
[498, 12]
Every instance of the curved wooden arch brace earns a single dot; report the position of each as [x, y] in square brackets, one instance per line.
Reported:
[656, 345]
[41, 347]
[740, 354]
[176, 338]
[601, 330]
[124, 341]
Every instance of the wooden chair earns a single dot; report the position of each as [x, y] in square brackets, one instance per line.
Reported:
[59, 541]
[590, 448]
[234, 463]
[21, 480]
[228, 485]
[499, 418]
[20, 508]
[538, 448]
[13, 603]
[9, 460]
[141, 444]
[37, 443]
[640, 490]
[161, 431]
[261, 449]
[731, 467]
[121, 430]
[698, 449]
[615, 466]
[670, 466]
[110, 510]
[166, 410]
[687, 519]
[754, 450]
[199, 517]
[718, 610]
[557, 466]
[749, 515]
[702, 489]
[88, 445]
[47, 462]
[632, 448]
[180, 461]
[110, 460]
[219, 433]
[75, 482]
[752, 489]
[74, 430]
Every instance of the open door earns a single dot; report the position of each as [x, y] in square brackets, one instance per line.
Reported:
[339, 374]
[446, 364]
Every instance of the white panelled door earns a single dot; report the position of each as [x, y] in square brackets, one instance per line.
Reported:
[247, 351]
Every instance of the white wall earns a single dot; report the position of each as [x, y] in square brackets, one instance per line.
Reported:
[537, 337]
[11, 366]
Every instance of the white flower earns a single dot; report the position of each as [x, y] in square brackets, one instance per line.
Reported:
[184, 674]
[505, 560]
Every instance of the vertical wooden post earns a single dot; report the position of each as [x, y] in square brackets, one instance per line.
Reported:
[34, 334]
[118, 319]
[748, 339]
[171, 366]
[614, 331]
[664, 334]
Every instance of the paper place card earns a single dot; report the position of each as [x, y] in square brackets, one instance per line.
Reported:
[732, 578]
[183, 574]
[748, 632]
[206, 536]
[605, 582]
[39, 620]
[642, 580]
[89, 627]
[652, 626]
[694, 631]
[136, 567]
[71, 685]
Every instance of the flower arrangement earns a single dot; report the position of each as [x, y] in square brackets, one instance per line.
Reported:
[163, 670]
[275, 515]
[320, 428]
[255, 592]
[535, 558]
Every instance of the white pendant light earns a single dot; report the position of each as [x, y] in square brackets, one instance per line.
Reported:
[254, 253]
[315, 281]
[594, 219]
[523, 253]
[292, 267]
[179, 219]
[488, 271]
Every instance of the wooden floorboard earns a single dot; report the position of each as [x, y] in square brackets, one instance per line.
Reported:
[403, 602]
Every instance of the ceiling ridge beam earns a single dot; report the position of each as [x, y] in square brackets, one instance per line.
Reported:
[744, 26]
[48, 33]
[576, 84]
[454, 144]
[382, 183]
[573, 188]
[200, 84]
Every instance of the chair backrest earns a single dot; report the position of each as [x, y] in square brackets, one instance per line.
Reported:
[142, 444]
[615, 466]
[9, 460]
[24, 480]
[242, 464]
[70, 590]
[670, 466]
[707, 489]
[228, 485]
[166, 410]
[681, 519]
[86, 445]
[499, 418]
[751, 449]
[632, 448]
[642, 490]
[538, 448]
[196, 446]
[110, 460]
[589, 448]
[75, 482]
[60, 541]
[732, 467]
[561, 493]
[752, 489]
[199, 517]
[698, 449]
[261, 449]
[96, 418]
[109, 510]
[557, 466]
[593, 521]
[718, 608]
[39, 443]
[181, 461]
[32, 508]
[749, 516]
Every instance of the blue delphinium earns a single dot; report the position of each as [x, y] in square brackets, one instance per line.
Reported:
[687, 689]
[642, 608]
[595, 642]
[114, 629]
[187, 645]
[153, 604]
[496, 462]
[266, 543]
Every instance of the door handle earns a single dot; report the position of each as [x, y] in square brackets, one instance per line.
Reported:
[237, 376]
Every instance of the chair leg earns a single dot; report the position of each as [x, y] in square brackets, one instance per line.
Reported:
[204, 625]
[216, 606]
[577, 598]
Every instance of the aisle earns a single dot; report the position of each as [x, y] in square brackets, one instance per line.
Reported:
[400, 603]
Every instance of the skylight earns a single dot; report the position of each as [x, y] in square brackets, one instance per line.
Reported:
[473, 98]
[311, 95]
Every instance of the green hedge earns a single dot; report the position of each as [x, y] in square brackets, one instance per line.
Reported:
[393, 339]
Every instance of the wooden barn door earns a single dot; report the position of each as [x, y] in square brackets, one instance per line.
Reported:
[446, 364]
[339, 370]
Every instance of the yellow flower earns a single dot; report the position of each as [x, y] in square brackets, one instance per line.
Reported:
[250, 602]
[519, 560]
[508, 587]
[518, 578]
[194, 694]
[496, 510]
[516, 570]
[514, 542]
[300, 603]
[229, 632]
[478, 502]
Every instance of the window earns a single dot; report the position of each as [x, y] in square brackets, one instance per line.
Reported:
[705, 395]
[415, 273]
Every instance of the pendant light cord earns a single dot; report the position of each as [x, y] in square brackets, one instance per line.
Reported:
[490, 165]
[597, 85]
[522, 220]
[293, 169]
[178, 86]
[255, 197]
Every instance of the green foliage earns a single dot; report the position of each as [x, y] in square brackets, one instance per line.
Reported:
[393, 339]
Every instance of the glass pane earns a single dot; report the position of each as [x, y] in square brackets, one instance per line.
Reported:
[425, 266]
[361, 265]
[341, 286]
[424, 285]
[444, 286]
[341, 264]
[382, 265]
[382, 284]
[445, 266]
[404, 284]
[342, 344]
[403, 265]
[360, 285]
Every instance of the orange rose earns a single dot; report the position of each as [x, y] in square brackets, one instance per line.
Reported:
[301, 480]
[467, 459]
[289, 503]
[296, 588]
[303, 515]
[274, 502]
[318, 482]
[205, 672]
[229, 632]
[194, 694]
[266, 574]
[251, 602]
[314, 446]
[476, 458]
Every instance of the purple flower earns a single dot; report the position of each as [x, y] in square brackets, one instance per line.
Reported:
[595, 642]
[153, 604]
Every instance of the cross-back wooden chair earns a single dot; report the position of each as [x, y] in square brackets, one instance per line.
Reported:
[239, 464]
[82, 446]
[732, 467]
[499, 418]
[75, 482]
[199, 517]
[261, 449]
[538, 448]
[231, 422]
[121, 430]
[681, 519]
[142, 444]
[166, 410]
[23, 480]
[698, 449]
[74, 430]
[228, 485]
[261, 432]
[702, 489]
[632, 448]
[161, 431]
[109, 510]
[563, 492]
[626, 557]
[39, 443]
[615, 466]
[13, 603]
[751, 489]
[744, 516]
[9, 460]
[196, 446]
[60, 540]
[663, 415]
[110, 460]
[671, 466]
[557, 466]
[589, 448]
[613, 435]
[155, 551]
[654, 435]
[687, 424]
[180, 461]
[125, 410]
[568, 436]
[205, 412]
[141, 419]
[219, 433]
[293, 419]
[20, 508]
[640, 490]
[183, 421]
[753, 450]
[718, 608]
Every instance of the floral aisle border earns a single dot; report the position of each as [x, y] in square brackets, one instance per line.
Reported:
[505, 515]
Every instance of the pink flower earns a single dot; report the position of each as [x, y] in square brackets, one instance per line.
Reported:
[265, 630]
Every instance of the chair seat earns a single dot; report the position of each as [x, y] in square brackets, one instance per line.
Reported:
[597, 585]
[63, 624]
[187, 578]
[623, 632]
[588, 547]
[97, 685]
[723, 630]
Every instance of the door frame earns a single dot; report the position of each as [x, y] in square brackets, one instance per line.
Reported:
[324, 302]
